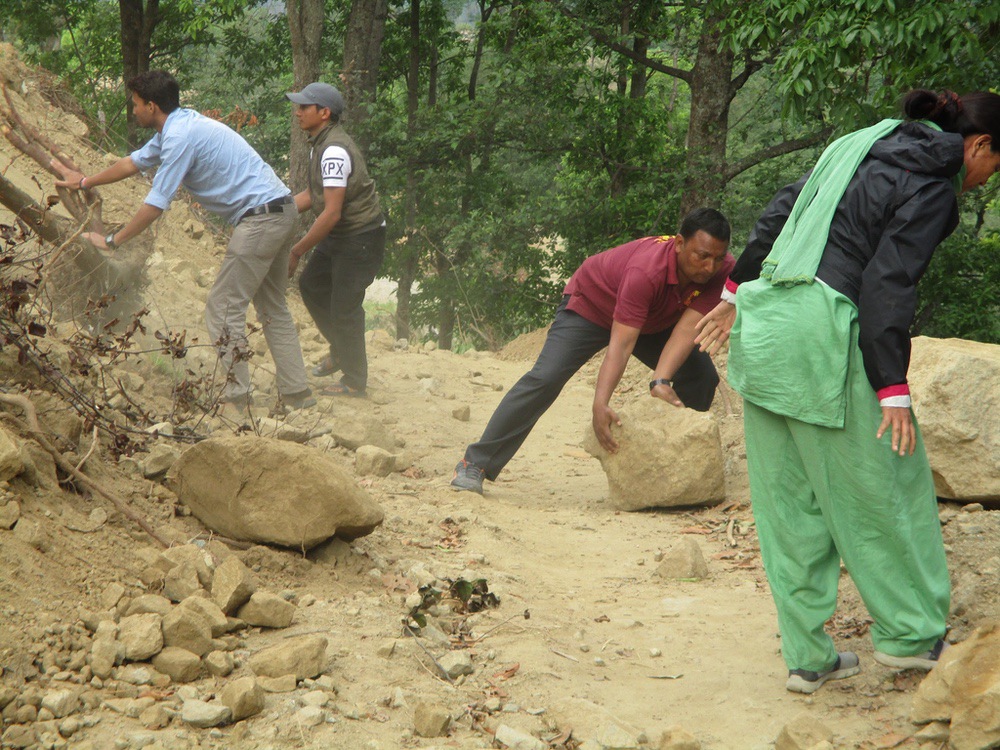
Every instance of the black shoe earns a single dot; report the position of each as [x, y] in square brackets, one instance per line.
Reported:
[468, 476]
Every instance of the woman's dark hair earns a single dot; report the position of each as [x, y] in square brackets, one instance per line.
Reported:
[705, 220]
[159, 87]
[969, 114]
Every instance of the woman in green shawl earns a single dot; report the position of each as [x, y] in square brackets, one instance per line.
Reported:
[817, 313]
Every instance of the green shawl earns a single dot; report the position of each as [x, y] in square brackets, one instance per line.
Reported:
[797, 251]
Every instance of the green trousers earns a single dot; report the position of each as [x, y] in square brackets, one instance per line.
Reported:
[823, 494]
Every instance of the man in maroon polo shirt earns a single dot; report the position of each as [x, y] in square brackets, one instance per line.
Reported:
[642, 298]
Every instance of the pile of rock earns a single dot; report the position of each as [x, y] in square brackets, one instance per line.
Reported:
[959, 701]
[139, 647]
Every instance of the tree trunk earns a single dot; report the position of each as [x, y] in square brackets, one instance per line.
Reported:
[305, 22]
[362, 53]
[138, 22]
[408, 272]
[708, 128]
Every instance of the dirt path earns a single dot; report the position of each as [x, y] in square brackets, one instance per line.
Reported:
[544, 537]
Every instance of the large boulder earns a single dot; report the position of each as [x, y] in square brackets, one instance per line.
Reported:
[272, 491]
[666, 457]
[964, 688]
[957, 403]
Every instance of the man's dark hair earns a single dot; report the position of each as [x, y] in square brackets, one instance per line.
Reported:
[159, 87]
[705, 220]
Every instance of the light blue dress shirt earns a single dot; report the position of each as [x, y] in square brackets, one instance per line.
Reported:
[212, 161]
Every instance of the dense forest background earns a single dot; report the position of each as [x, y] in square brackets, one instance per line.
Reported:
[512, 138]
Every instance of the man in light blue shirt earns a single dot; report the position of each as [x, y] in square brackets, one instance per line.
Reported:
[230, 179]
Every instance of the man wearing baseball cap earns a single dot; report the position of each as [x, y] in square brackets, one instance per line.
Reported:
[347, 237]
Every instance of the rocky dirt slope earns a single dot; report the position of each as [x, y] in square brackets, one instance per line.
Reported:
[587, 646]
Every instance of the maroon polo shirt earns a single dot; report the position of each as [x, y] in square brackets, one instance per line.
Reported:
[636, 285]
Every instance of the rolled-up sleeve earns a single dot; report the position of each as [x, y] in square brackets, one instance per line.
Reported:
[148, 156]
[176, 157]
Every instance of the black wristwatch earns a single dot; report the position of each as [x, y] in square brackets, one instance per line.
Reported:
[110, 241]
[660, 381]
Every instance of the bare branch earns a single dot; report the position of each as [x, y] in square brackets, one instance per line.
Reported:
[30, 425]
[778, 149]
[601, 37]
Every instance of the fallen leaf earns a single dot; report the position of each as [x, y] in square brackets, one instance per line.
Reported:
[507, 673]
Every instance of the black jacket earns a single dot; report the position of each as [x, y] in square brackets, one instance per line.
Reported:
[897, 209]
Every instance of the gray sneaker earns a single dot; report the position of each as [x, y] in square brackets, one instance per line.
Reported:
[468, 476]
[925, 661]
[807, 681]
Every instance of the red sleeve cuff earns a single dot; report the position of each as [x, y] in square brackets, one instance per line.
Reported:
[731, 286]
[893, 390]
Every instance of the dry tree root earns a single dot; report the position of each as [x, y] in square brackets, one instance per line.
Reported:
[30, 426]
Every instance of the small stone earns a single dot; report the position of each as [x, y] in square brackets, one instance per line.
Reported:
[462, 413]
[232, 585]
[655, 653]
[431, 720]
[179, 664]
[801, 733]
[457, 663]
[684, 561]
[220, 663]
[370, 460]
[616, 736]
[154, 717]
[203, 715]
[112, 595]
[515, 739]
[19, 736]
[267, 610]
[10, 512]
[386, 649]
[60, 703]
[70, 726]
[598, 661]
[244, 697]
[315, 698]
[310, 716]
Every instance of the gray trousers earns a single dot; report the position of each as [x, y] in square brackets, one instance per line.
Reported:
[255, 269]
[573, 340]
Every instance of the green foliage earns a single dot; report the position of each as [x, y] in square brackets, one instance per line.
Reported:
[852, 60]
[957, 295]
[564, 146]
